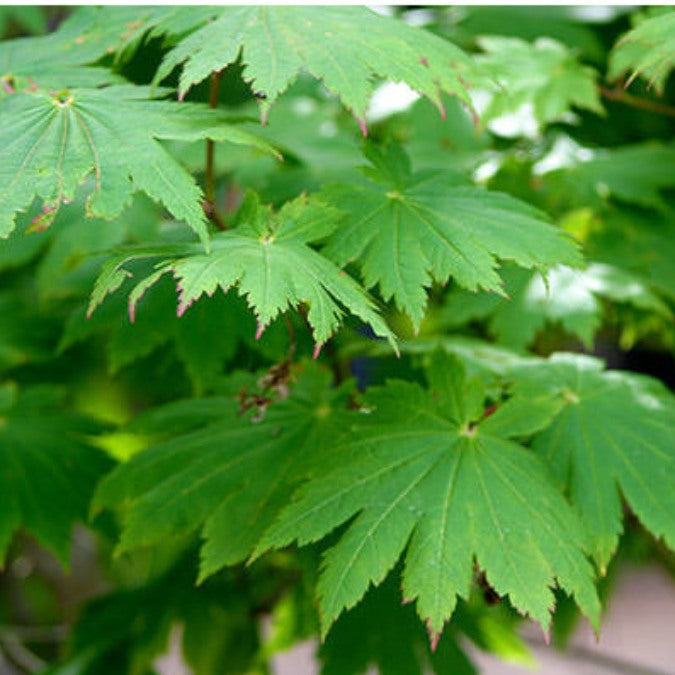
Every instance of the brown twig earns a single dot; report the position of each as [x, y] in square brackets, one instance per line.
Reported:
[623, 96]
[209, 204]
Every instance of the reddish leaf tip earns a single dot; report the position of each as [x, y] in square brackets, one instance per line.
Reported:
[363, 126]
[433, 640]
[260, 329]
[317, 350]
[132, 312]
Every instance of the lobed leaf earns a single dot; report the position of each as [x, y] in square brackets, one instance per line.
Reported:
[268, 258]
[613, 437]
[53, 141]
[405, 229]
[420, 475]
[276, 43]
[648, 50]
[544, 75]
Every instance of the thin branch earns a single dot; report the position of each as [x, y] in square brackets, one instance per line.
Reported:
[22, 656]
[35, 633]
[636, 102]
[209, 204]
[606, 661]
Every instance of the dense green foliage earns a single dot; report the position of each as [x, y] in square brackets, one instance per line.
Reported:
[282, 357]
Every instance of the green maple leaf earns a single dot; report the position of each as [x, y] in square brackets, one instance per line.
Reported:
[53, 141]
[405, 228]
[614, 432]
[571, 297]
[229, 478]
[647, 51]
[422, 472]
[47, 471]
[268, 258]
[343, 46]
[66, 57]
[544, 74]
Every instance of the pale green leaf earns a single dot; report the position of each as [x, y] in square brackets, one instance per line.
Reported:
[544, 75]
[614, 436]
[647, 51]
[53, 141]
[345, 47]
[405, 229]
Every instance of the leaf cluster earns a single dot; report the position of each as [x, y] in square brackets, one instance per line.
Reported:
[361, 376]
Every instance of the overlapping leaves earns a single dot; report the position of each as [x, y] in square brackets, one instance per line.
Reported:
[404, 229]
[425, 470]
[571, 297]
[229, 478]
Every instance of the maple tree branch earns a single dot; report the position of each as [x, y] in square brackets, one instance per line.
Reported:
[209, 204]
[622, 96]
[21, 656]
[585, 655]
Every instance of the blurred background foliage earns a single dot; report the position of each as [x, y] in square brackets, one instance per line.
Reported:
[602, 166]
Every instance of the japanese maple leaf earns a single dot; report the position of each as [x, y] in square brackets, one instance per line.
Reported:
[53, 141]
[647, 51]
[404, 229]
[613, 436]
[345, 47]
[426, 473]
[268, 257]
